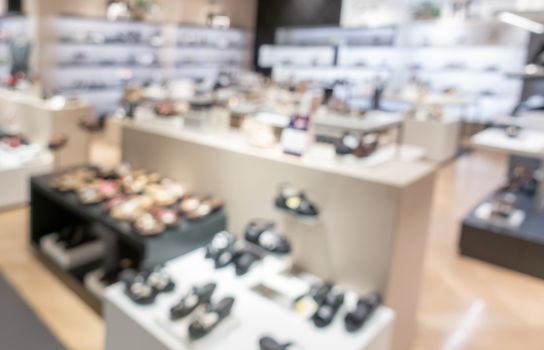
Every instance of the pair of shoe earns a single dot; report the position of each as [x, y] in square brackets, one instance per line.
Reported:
[329, 301]
[320, 304]
[74, 236]
[224, 251]
[365, 307]
[360, 147]
[294, 201]
[212, 315]
[264, 234]
[144, 286]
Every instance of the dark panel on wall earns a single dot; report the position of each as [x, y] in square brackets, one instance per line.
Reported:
[272, 14]
[14, 6]
[536, 86]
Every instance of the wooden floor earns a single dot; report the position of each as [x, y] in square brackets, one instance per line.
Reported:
[465, 304]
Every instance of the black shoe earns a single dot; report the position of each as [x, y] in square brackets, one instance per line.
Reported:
[225, 258]
[269, 343]
[264, 235]
[196, 297]
[159, 280]
[220, 242]
[327, 311]
[355, 319]
[137, 288]
[349, 142]
[295, 201]
[243, 260]
[214, 314]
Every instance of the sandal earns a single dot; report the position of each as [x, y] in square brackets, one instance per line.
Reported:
[244, 260]
[264, 235]
[269, 343]
[360, 147]
[168, 217]
[212, 316]
[201, 209]
[148, 225]
[136, 287]
[159, 280]
[220, 242]
[225, 257]
[90, 194]
[190, 302]
[355, 319]
[327, 311]
[293, 200]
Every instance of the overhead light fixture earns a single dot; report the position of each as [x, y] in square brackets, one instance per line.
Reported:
[531, 21]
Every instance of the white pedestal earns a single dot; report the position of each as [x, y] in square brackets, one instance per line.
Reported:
[39, 121]
[372, 230]
[130, 326]
[440, 139]
[14, 179]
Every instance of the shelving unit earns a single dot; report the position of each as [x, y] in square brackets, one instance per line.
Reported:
[51, 211]
[444, 55]
[112, 54]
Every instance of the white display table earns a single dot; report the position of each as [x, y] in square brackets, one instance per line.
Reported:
[39, 120]
[530, 143]
[439, 138]
[130, 326]
[372, 230]
[16, 167]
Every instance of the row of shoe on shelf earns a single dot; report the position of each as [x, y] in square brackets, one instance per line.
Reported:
[202, 313]
[147, 200]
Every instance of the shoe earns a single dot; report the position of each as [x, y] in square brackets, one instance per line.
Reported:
[355, 319]
[368, 145]
[74, 236]
[347, 144]
[264, 235]
[159, 280]
[225, 257]
[244, 260]
[308, 304]
[327, 311]
[149, 225]
[136, 287]
[269, 343]
[196, 297]
[220, 242]
[212, 316]
[295, 201]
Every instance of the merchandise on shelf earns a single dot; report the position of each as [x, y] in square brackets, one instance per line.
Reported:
[152, 203]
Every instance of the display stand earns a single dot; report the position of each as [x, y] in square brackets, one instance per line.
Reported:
[39, 120]
[374, 218]
[439, 138]
[253, 315]
[51, 210]
[520, 246]
[14, 177]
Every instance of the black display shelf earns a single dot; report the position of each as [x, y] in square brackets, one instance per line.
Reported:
[520, 249]
[50, 210]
